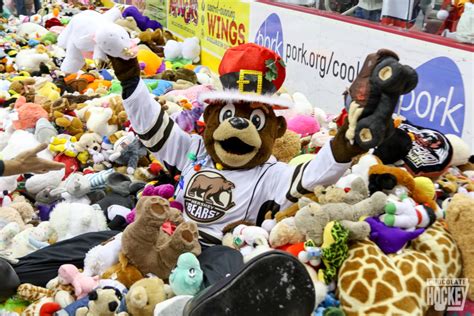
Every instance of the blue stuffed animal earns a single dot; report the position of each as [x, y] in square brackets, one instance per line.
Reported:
[187, 277]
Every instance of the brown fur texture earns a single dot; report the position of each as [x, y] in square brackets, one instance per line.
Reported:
[123, 272]
[179, 74]
[342, 150]
[148, 247]
[274, 128]
[460, 219]
[287, 147]
[154, 40]
[402, 176]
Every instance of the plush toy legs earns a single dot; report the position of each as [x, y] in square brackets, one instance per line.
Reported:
[74, 59]
[42, 265]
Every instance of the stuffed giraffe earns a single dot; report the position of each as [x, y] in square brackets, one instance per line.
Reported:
[371, 282]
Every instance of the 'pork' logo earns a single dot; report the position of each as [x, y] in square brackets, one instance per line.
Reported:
[208, 196]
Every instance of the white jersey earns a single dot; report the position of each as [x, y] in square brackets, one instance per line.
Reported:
[215, 198]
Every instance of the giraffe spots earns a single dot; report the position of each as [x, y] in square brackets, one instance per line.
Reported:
[371, 282]
[423, 271]
[359, 253]
[375, 261]
[355, 265]
[452, 269]
[406, 304]
[373, 251]
[360, 292]
[413, 285]
[446, 256]
[385, 261]
[379, 310]
[392, 279]
[383, 292]
[405, 267]
[424, 248]
[370, 275]
[346, 279]
[431, 232]
[444, 241]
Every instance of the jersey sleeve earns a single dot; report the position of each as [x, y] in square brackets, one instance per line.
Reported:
[157, 131]
[291, 183]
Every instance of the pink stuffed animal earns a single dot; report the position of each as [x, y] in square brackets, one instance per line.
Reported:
[303, 125]
[28, 114]
[165, 191]
[83, 285]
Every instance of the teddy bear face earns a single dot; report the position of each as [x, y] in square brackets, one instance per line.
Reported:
[241, 134]
[90, 142]
[104, 301]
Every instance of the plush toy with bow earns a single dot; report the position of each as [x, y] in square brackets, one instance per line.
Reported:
[90, 31]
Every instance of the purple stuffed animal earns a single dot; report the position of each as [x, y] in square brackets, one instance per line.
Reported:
[143, 22]
[390, 239]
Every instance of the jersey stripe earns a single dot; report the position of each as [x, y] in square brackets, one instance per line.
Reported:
[166, 134]
[152, 132]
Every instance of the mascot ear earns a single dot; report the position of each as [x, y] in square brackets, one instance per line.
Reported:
[207, 112]
[281, 126]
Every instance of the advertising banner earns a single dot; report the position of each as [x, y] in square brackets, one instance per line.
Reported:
[324, 55]
[157, 10]
[219, 24]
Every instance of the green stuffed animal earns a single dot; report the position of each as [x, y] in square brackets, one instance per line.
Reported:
[187, 277]
[334, 250]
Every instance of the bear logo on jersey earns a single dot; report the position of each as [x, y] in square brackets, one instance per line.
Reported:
[208, 196]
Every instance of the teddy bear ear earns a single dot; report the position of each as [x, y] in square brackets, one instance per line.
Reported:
[93, 295]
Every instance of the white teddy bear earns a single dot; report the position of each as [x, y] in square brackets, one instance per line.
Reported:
[90, 31]
[189, 49]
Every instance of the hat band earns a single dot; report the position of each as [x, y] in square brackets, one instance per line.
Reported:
[248, 81]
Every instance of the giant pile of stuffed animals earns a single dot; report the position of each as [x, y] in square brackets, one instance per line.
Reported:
[400, 215]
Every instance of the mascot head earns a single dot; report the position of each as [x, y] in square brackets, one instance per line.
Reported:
[241, 125]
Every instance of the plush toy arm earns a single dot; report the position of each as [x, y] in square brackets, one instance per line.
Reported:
[157, 131]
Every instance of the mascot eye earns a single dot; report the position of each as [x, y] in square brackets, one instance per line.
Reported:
[192, 273]
[227, 112]
[258, 119]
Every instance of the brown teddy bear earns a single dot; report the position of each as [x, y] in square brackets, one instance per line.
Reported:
[155, 40]
[25, 88]
[149, 247]
[287, 146]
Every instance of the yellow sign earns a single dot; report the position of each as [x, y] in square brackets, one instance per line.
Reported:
[183, 17]
[219, 24]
